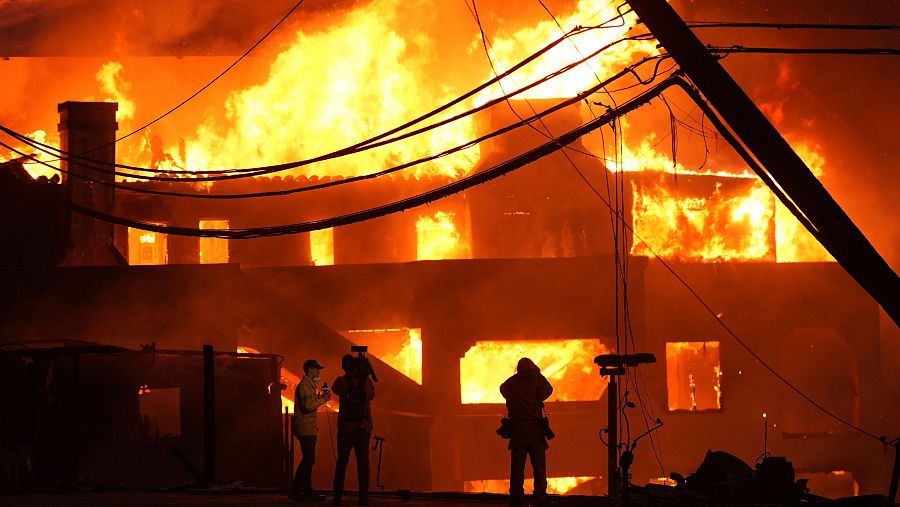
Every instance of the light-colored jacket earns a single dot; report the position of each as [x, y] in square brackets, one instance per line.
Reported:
[306, 402]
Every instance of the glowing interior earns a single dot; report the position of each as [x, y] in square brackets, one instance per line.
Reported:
[400, 348]
[693, 374]
[567, 364]
[213, 250]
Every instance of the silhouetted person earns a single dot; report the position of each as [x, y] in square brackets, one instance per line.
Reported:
[525, 393]
[355, 391]
[307, 401]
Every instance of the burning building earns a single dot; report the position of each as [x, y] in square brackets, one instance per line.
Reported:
[448, 296]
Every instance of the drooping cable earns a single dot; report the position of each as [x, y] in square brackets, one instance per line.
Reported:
[352, 179]
[261, 170]
[210, 83]
[399, 205]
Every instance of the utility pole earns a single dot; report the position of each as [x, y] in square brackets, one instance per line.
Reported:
[838, 234]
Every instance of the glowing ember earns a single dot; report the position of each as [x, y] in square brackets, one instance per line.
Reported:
[400, 348]
[693, 375]
[567, 364]
[438, 237]
[555, 485]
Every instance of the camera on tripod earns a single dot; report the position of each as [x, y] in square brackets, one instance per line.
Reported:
[364, 365]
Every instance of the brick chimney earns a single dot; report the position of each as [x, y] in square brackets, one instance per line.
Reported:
[89, 129]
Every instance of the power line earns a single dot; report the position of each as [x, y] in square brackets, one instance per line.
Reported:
[399, 205]
[335, 154]
[210, 83]
[789, 26]
[360, 146]
[469, 182]
[352, 179]
[805, 51]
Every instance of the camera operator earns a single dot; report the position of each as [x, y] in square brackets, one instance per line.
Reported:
[306, 402]
[355, 391]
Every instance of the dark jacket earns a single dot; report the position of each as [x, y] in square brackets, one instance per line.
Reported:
[341, 387]
[525, 393]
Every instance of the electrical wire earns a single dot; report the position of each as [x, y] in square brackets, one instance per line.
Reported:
[329, 156]
[207, 85]
[694, 94]
[621, 261]
[459, 185]
[788, 26]
[352, 179]
[804, 51]
[257, 171]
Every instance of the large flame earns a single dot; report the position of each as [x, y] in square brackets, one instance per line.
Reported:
[370, 69]
[399, 348]
[333, 88]
[35, 168]
[508, 49]
[439, 236]
[709, 229]
[566, 364]
[795, 243]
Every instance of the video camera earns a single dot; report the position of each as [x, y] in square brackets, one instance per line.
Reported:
[364, 364]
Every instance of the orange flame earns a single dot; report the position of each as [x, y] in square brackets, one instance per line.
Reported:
[708, 229]
[566, 364]
[399, 348]
[333, 88]
[438, 237]
[507, 50]
[555, 485]
[795, 243]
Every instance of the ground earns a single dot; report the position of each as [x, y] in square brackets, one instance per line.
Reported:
[268, 497]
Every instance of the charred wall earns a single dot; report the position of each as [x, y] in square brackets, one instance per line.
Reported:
[812, 324]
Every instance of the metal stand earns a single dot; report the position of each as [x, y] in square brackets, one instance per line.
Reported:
[379, 446]
[613, 365]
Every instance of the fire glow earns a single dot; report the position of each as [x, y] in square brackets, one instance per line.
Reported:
[366, 74]
[555, 485]
[399, 348]
[566, 363]
[438, 237]
[693, 373]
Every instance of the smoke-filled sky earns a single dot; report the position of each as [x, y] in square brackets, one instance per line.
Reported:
[846, 105]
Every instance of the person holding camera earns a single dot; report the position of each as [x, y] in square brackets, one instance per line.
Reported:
[525, 393]
[355, 391]
[307, 401]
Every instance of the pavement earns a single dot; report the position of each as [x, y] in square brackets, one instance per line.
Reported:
[273, 498]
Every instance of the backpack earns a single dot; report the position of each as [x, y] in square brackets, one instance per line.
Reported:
[354, 408]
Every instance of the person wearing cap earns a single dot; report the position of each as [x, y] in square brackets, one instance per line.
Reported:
[525, 393]
[307, 401]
